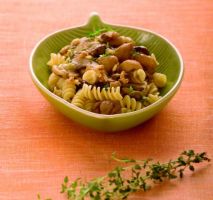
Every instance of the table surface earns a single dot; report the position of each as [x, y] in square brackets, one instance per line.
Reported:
[39, 146]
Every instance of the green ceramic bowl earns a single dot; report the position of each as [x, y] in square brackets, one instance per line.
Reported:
[170, 60]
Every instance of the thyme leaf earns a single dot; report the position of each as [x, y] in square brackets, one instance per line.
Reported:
[98, 31]
[138, 175]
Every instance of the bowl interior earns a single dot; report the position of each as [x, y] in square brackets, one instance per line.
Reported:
[169, 61]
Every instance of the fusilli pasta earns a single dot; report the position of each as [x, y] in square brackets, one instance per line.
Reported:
[138, 76]
[129, 104]
[52, 81]
[96, 93]
[68, 90]
[90, 76]
[56, 59]
[78, 100]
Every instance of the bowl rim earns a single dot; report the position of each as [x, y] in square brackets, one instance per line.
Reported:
[95, 16]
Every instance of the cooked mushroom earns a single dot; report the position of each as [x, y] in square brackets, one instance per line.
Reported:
[131, 92]
[115, 76]
[110, 107]
[80, 61]
[96, 107]
[127, 39]
[111, 37]
[125, 90]
[116, 108]
[130, 65]
[115, 84]
[81, 44]
[148, 62]
[108, 61]
[64, 50]
[124, 51]
[142, 49]
[136, 94]
[97, 49]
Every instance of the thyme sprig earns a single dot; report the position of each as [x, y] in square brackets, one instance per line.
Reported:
[138, 175]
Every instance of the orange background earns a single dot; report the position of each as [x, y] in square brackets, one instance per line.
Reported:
[39, 146]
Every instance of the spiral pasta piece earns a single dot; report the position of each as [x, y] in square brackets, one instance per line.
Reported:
[150, 89]
[138, 76]
[153, 89]
[88, 105]
[52, 81]
[68, 90]
[96, 93]
[56, 59]
[90, 76]
[78, 100]
[57, 91]
[159, 79]
[129, 104]
[60, 83]
[153, 98]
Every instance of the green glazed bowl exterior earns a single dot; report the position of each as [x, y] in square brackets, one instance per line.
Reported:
[170, 60]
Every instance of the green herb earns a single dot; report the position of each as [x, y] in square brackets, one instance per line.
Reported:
[131, 89]
[105, 54]
[99, 31]
[135, 53]
[106, 86]
[119, 184]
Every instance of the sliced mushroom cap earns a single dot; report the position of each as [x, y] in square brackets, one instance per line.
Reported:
[130, 65]
[80, 44]
[108, 61]
[97, 49]
[80, 61]
[124, 51]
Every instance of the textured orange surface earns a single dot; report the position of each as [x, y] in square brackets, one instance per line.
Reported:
[39, 146]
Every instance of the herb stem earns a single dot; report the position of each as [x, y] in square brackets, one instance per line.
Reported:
[119, 184]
